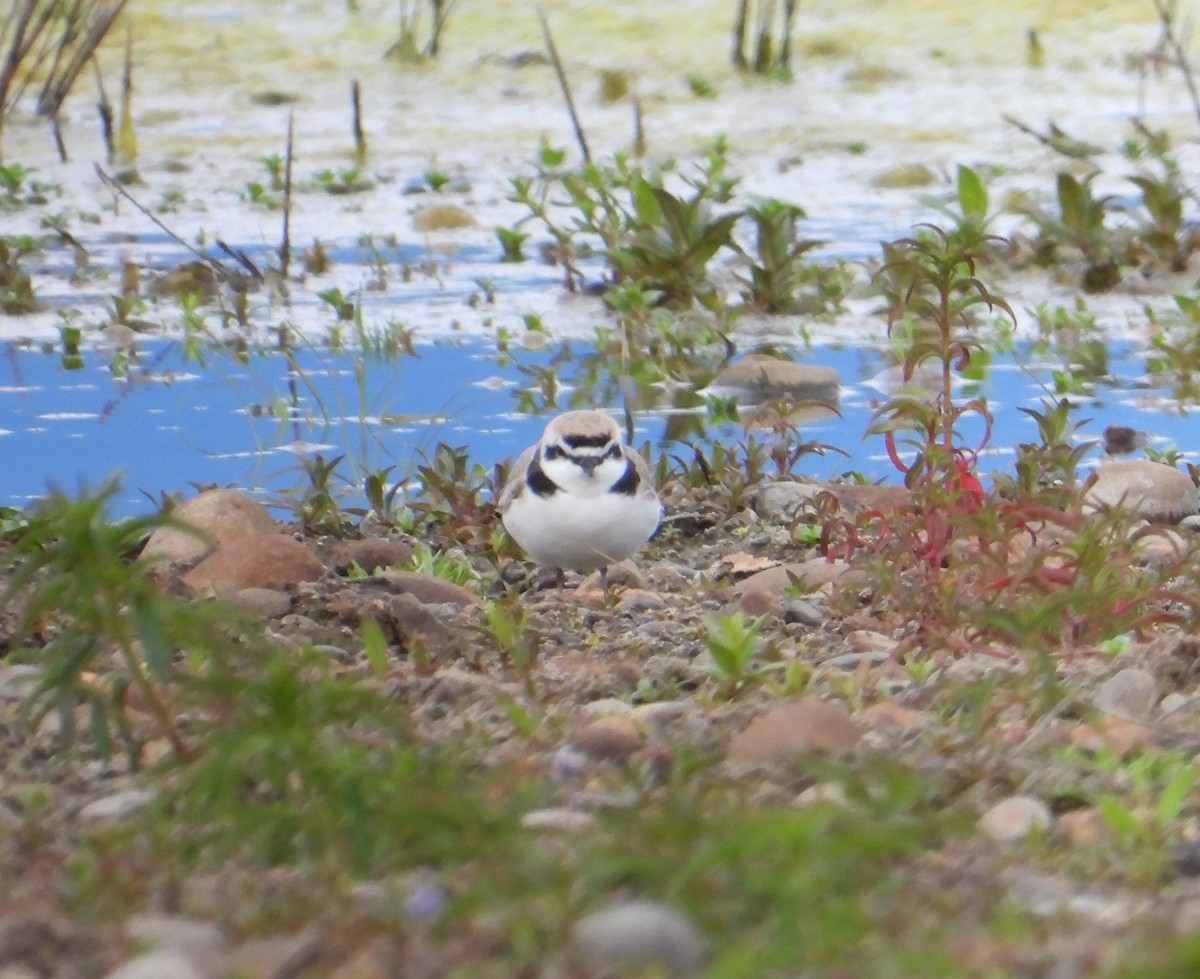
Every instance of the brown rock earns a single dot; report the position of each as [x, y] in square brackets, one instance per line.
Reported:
[1083, 827]
[371, 554]
[794, 729]
[889, 714]
[1149, 489]
[410, 622]
[428, 588]
[777, 580]
[609, 738]
[217, 516]
[379, 960]
[277, 957]
[756, 603]
[257, 561]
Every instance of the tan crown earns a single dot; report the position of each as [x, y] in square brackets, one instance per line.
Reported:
[586, 422]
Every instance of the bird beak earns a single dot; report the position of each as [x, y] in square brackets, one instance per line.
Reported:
[589, 463]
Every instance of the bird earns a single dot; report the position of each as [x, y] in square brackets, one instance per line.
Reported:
[580, 499]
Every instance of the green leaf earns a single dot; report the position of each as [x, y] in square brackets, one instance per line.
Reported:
[646, 199]
[375, 646]
[972, 194]
[1170, 803]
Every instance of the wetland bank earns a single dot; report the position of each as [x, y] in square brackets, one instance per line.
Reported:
[946, 726]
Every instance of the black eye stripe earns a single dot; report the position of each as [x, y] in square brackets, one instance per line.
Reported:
[587, 441]
[554, 452]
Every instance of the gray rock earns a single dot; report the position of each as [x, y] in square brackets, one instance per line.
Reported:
[802, 611]
[1015, 818]
[781, 500]
[158, 965]
[767, 377]
[1149, 489]
[638, 935]
[201, 943]
[118, 806]
[268, 603]
[1130, 693]
[558, 819]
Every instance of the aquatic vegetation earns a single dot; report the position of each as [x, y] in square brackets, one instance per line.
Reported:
[769, 26]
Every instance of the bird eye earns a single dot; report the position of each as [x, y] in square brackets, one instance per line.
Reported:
[613, 453]
[554, 452]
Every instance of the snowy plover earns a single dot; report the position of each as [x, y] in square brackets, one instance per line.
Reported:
[580, 499]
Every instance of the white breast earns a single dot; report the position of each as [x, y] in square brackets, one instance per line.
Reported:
[565, 531]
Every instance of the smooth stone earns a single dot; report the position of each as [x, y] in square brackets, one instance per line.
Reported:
[805, 726]
[372, 554]
[201, 943]
[1130, 693]
[1083, 827]
[810, 574]
[410, 621]
[904, 175]
[609, 738]
[558, 819]
[772, 376]
[803, 612]
[274, 957]
[1148, 489]
[638, 935]
[754, 604]
[607, 707]
[118, 806]
[442, 217]
[781, 500]
[1015, 818]
[219, 516]
[640, 600]
[158, 965]
[267, 603]
[257, 561]
[428, 588]
[1172, 702]
[889, 714]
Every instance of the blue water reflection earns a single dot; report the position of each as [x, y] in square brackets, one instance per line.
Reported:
[168, 423]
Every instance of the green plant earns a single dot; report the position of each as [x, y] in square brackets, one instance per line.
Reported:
[16, 287]
[102, 631]
[512, 241]
[448, 566]
[732, 644]
[780, 269]
[343, 181]
[646, 233]
[507, 625]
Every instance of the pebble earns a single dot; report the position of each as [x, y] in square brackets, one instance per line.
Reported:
[795, 728]
[822, 792]
[811, 574]
[1015, 818]
[371, 554]
[268, 603]
[560, 819]
[638, 936]
[610, 738]
[1083, 827]
[410, 621]
[201, 943]
[1147, 489]
[118, 806]
[1130, 693]
[757, 603]
[158, 965]
[781, 500]
[427, 588]
[663, 713]
[274, 957]
[640, 600]
[889, 714]
[607, 707]
[866, 641]
[1172, 702]
[802, 612]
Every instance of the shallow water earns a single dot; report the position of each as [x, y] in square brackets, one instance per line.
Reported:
[169, 423]
[875, 87]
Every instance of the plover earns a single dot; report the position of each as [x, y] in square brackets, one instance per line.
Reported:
[580, 499]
